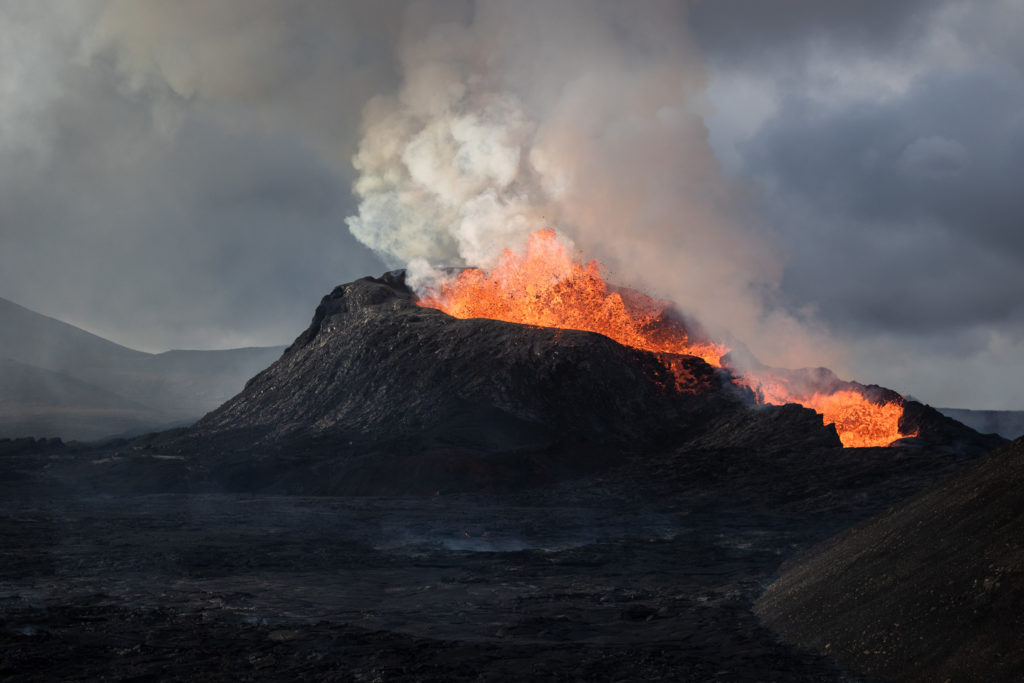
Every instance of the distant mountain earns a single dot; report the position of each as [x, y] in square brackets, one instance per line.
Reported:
[1007, 423]
[38, 401]
[59, 380]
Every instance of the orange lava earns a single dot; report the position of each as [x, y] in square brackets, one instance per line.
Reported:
[546, 287]
[859, 422]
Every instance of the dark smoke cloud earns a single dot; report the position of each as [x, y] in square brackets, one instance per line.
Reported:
[885, 150]
[585, 116]
[783, 32]
[179, 174]
[923, 198]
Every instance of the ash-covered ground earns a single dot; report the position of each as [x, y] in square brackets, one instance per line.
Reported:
[645, 571]
[932, 590]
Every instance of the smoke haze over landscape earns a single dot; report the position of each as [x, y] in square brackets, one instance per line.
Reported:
[831, 183]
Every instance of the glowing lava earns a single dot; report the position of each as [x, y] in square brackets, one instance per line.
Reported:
[546, 287]
[858, 421]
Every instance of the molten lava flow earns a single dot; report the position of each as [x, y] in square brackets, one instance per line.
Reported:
[546, 287]
[858, 421]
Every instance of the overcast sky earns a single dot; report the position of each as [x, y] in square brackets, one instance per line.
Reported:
[179, 175]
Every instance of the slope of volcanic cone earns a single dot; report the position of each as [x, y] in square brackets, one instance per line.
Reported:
[928, 427]
[933, 590]
[940, 431]
[376, 371]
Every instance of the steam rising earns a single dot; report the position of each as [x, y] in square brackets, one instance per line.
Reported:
[501, 118]
[587, 118]
[444, 176]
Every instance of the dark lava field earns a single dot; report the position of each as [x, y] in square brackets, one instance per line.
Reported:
[408, 497]
[648, 571]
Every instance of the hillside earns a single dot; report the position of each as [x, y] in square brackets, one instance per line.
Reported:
[38, 401]
[930, 591]
[59, 380]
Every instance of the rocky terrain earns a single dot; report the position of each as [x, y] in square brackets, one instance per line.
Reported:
[404, 496]
[930, 590]
[645, 570]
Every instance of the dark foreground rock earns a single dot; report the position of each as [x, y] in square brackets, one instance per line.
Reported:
[646, 571]
[930, 591]
[229, 588]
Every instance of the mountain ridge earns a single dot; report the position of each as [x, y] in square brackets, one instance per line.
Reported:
[59, 380]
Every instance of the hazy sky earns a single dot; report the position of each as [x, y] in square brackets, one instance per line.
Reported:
[179, 174]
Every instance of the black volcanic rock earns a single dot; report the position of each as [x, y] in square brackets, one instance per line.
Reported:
[374, 367]
[931, 591]
[941, 431]
[375, 376]
[380, 395]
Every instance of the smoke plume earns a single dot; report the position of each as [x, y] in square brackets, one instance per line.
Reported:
[500, 118]
[586, 117]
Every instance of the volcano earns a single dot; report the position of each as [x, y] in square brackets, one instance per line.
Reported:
[389, 390]
[399, 396]
[547, 286]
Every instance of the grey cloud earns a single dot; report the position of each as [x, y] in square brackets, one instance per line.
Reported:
[935, 157]
[897, 206]
[781, 33]
[178, 174]
[161, 218]
[918, 193]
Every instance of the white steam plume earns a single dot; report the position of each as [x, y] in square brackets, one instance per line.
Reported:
[443, 173]
[584, 116]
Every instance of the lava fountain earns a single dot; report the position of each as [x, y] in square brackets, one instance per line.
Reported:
[548, 288]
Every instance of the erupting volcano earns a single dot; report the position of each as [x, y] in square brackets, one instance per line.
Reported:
[546, 287]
